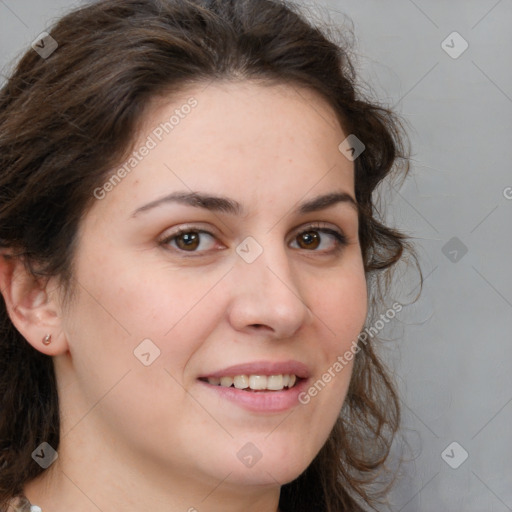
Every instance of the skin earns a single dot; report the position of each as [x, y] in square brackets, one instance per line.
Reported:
[142, 438]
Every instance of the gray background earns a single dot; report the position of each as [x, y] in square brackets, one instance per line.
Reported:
[451, 350]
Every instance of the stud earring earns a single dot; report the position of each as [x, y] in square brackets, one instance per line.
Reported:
[47, 339]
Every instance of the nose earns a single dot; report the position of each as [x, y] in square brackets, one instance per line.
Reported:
[266, 296]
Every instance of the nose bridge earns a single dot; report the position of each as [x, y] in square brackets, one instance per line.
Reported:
[266, 288]
[271, 268]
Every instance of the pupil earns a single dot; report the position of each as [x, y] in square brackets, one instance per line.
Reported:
[189, 240]
[310, 239]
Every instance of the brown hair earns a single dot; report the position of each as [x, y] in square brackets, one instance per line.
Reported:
[66, 120]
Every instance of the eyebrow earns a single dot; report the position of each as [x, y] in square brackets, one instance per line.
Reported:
[226, 205]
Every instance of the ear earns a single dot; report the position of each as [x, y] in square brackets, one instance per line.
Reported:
[32, 305]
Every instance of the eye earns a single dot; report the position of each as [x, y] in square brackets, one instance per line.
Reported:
[320, 239]
[314, 238]
[190, 240]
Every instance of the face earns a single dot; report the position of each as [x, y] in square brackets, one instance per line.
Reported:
[227, 253]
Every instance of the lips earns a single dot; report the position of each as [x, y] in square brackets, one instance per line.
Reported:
[276, 396]
[255, 382]
[264, 368]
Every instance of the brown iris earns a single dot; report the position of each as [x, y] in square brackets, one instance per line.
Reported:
[308, 240]
[188, 241]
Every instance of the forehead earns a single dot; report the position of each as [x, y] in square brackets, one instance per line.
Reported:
[247, 140]
[244, 115]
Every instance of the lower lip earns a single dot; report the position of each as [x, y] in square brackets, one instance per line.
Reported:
[261, 401]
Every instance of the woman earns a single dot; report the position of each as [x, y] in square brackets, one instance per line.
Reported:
[190, 251]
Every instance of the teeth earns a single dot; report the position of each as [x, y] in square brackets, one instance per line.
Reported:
[241, 381]
[256, 382]
[226, 381]
[275, 382]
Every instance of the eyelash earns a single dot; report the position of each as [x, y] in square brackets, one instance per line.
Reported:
[339, 238]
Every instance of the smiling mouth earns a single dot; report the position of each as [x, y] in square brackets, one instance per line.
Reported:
[255, 383]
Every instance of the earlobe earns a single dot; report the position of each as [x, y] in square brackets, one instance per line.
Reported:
[32, 310]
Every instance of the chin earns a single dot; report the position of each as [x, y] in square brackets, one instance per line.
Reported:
[263, 478]
[269, 472]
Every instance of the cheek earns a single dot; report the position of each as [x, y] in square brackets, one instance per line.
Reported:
[112, 317]
[341, 305]
[125, 303]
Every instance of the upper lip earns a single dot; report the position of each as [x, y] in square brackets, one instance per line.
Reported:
[263, 368]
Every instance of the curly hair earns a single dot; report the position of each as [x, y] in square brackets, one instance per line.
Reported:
[69, 118]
